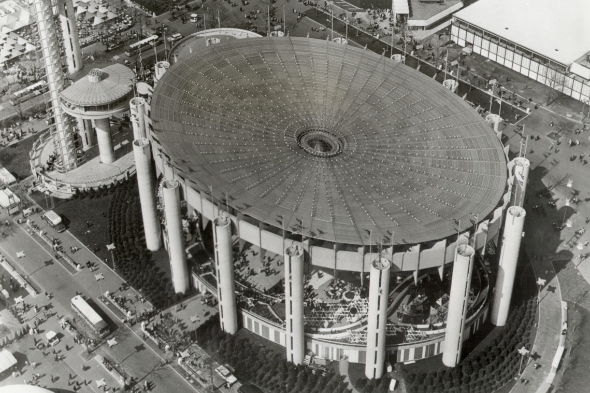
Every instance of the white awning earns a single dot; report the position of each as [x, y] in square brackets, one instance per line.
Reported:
[6, 360]
[401, 7]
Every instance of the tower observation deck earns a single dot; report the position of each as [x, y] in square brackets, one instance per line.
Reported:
[102, 94]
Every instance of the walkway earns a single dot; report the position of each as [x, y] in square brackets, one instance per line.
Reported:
[548, 331]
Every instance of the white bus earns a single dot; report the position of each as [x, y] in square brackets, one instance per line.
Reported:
[142, 45]
[91, 317]
[28, 92]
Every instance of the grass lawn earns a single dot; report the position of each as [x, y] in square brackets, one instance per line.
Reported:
[15, 157]
[76, 212]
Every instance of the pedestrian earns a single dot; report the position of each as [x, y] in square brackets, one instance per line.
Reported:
[51, 378]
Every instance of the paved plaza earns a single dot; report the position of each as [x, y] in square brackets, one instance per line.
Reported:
[94, 173]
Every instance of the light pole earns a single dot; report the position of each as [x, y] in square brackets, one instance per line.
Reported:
[540, 284]
[492, 95]
[111, 247]
[570, 183]
[523, 352]
[584, 103]
[99, 278]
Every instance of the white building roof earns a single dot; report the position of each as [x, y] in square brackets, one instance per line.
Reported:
[23, 389]
[559, 30]
[401, 7]
[7, 360]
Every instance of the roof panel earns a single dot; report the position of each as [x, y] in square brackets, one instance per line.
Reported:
[380, 147]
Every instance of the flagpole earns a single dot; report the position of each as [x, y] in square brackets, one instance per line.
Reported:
[392, 233]
[446, 63]
[332, 33]
[284, 21]
[165, 47]
[492, 97]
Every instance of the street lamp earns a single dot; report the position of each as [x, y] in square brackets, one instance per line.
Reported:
[584, 103]
[111, 247]
[46, 203]
[99, 278]
[523, 352]
[540, 283]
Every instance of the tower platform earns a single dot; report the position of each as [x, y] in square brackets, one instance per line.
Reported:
[93, 173]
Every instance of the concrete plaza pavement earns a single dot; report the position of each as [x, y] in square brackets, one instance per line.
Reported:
[38, 265]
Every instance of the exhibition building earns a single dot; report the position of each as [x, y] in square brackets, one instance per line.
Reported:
[347, 204]
[547, 43]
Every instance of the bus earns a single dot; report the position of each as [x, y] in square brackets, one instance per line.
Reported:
[91, 317]
[142, 45]
[28, 92]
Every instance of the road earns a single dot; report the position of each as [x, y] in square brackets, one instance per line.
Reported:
[138, 360]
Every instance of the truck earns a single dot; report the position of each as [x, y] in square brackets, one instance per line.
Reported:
[54, 219]
[9, 201]
[51, 338]
[174, 37]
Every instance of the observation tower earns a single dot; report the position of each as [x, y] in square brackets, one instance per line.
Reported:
[61, 131]
[94, 100]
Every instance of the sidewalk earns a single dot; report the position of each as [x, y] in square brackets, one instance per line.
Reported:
[131, 352]
[548, 331]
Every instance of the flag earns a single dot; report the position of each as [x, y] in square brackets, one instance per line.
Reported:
[567, 201]
[416, 277]
[570, 183]
[568, 223]
[441, 272]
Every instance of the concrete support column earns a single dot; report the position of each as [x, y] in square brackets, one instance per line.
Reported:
[176, 251]
[377, 317]
[457, 313]
[105, 143]
[521, 176]
[509, 251]
[137, 109]
[91, 132]
[224, 261]
[294, 331]
[147, 194]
